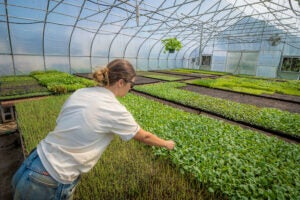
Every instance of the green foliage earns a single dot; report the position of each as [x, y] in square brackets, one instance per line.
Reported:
[171, 45]
[37, 118]
[198, 71]
[15, 79]
[60, 82]
[126, 170]
[22, 95]
[160, 76]
[227, 161]
[58, 89]
[251, 86]
[269, 118]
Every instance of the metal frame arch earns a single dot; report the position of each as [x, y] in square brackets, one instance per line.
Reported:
[9, 36]
[153, 33]
[238, 22]
[44, 28]
[239, 15]
[96, 33]
[117, 34]
[148, 19]
[187, 28]
[193, 31]
[145, 39]
[201, 47]
[178, 33]
[161, 25]
[225, 21]
[71, 35]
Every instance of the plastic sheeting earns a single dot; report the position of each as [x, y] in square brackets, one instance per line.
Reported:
[79, 35]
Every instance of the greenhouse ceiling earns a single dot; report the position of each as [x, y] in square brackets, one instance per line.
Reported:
[54, 31]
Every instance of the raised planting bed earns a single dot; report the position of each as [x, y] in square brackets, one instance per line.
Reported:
[250, 85]
[224, 157]
[162, 76]
[150, 177]
[268, 118]
[60, 82]
[192, 73]
[15, 87]
[282, 102]
[227, 161]
[198, 71]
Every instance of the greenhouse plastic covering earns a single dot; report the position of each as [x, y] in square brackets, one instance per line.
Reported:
[78, 35]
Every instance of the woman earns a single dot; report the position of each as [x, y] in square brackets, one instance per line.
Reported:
[86, 125]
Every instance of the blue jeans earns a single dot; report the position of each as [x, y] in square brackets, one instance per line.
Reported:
[32, 182]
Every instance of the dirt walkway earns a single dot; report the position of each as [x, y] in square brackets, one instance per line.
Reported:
[11, 156]
[247, 99]
[259, 101]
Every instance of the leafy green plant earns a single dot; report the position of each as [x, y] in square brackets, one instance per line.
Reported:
[227, 161]
[269, 118]
[160, 76]
[150, 177]
[171, 45]
[58, 89]
[198, 71]
[251, 86]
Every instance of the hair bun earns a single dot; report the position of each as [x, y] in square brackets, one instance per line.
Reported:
[101, 76]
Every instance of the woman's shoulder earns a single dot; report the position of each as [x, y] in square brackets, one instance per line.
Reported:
[91, 90]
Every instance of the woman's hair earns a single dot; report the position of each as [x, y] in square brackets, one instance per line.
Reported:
[114, 71]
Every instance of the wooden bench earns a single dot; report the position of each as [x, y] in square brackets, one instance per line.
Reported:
[7, 112]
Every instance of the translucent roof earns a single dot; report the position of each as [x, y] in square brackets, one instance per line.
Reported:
[96, 31]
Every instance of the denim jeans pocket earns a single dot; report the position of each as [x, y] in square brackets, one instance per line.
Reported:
[43, 180]
[35, 186]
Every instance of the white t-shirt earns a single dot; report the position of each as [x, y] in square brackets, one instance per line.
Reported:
[85, 126]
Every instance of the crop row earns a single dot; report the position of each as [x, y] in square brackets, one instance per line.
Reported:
[197, 71]
[126, 170]
[160, 76]
[15, 79]
[269, 118]
[13, 87]
[224, 158]
[251, 85]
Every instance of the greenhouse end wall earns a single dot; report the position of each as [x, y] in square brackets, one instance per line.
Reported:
[259, 59]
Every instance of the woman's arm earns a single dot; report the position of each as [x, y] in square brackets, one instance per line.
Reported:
[151, 139]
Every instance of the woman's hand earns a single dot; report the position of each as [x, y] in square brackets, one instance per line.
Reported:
[151, 139]
[169, 144]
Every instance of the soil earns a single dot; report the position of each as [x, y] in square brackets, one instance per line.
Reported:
[11, 152]
[11, 155]
[280, 102]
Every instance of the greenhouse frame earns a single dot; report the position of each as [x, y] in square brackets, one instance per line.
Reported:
[254, 37]
[150, 100]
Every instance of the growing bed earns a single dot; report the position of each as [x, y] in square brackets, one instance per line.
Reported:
[226, 160]
[212, 159]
